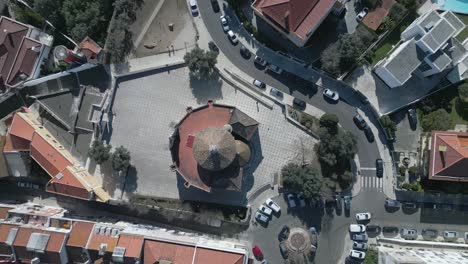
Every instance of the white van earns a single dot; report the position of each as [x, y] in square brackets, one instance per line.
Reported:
[193, 7]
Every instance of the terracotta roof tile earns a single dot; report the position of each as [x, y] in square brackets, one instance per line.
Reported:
[11, 37]
[155, 251]
[14, 143]
[4, 212]
[97, 239]
[449, 156]
[375, 17]
[210, 256]
[25, 61]
[21, 128]
[51, 160]
[79, 234]
[133, 245]
[68, 185]
[4, 230]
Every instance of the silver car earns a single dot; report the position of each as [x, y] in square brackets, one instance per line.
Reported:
[360, 246]
[450, 235]
[224, 23]
[265, 210]
[409, 233]
[261, 218]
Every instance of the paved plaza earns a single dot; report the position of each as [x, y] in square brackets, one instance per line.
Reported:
[148, 106]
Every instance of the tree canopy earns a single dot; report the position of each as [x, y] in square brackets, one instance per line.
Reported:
[305, 180]
[120, 159]
[334, 149]
[437, 120]
[329, 121]
[201, 63]
[99, 152]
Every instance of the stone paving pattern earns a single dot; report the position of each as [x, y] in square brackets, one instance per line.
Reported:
[147, 108]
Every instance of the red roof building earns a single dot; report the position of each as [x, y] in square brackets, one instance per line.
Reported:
[78, 238]
[209, 146]
[449, 156]
[376, 16]
[90, 49]
[128, 249]
[6, 250]
[296, 19]
[102, 242]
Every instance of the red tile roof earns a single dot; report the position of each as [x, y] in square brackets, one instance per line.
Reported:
[11, 37]
[25, 61]
[97, 239]
[375, 17]
[449, 156]
[79, 234]
[13, 144]
[208, 116]
[4, 230]
[133, 245]
[21, 128]
[297, 16]
[53, 247]
[90, 48]
[4, 212]
[155, 251]
[68, 185]
[47, 156]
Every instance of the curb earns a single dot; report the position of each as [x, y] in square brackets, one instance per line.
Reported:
[159, 67]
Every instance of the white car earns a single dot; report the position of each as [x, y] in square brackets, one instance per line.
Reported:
[265, 210]
[353, 228]
[331, 94]
[261, 217]
[362, 14]
[291, 201]
[357, 254]
[274, 206]
[302, 202]
[232, 37]
[224, 23]
[193, 7]
[363, 216]
[450, 235]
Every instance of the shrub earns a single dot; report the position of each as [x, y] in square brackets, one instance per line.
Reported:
[437, 120]
[329, 121]
[413, 170]
[402, 170]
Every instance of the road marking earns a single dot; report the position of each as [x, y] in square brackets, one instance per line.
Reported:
[366, 168]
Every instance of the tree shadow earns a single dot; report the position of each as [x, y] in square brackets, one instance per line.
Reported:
[206, 89]
[110, 179]
[256, 159]
[131, 180]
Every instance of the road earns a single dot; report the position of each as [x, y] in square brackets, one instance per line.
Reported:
[307, 91]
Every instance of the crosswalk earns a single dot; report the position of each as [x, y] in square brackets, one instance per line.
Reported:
[371, 183]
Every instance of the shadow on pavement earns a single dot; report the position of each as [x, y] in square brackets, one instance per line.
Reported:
[206, 89]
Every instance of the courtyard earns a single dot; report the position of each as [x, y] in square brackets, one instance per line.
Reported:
[146, 109]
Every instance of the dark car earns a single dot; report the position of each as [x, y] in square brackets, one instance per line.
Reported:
[259, 61]
[390, 230]
[373, 229]
[299, 103]
[359, 121]
[430, 233]
[284, 251]
[215, 5]
[389, 203]
[410, 206]
[212, 46]
[412, 117]
[379, 168]
[369, 134]
[284, 233]
[245, 52]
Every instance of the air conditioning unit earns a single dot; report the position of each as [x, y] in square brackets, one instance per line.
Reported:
[102, 249]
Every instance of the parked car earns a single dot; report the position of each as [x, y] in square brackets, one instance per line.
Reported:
[359, 246]
[284, 251]
[359, 121]
[299, 103]
[224, 23]
[412, 117]
[390, 229]
[261, 218]
[193, 7]
[258, 254]
[466, 237]
[245, 52]
[275, 69]
[450, 235]
[338, 202]
[259, 84]
[363, 216]
[258, 60]
[379, 168]
[265, 210]
[291, 201]
[332, 95]
[430, 233]
[264, 262]
[301, 200]
[354, 228]
[369, 134]
[278, 94]
[215, 5]
[389, 203]
[347, 202]
[232, 37]
[274, 206]
[284, 233]
[409, 233]
[357, 254]
[362, 14]
[410, 206]
[212, 46]
[360, 237]
[373, 229]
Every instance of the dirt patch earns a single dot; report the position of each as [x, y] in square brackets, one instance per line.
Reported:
[160, 36]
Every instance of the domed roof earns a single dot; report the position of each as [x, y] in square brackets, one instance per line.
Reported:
[214, 148]
[243, 153]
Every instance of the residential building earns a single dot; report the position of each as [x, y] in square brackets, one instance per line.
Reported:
[67, 240]
[376, 15]
[428, 46]
[23, 49]
[389, 255]
[448, 156]
[297, 20]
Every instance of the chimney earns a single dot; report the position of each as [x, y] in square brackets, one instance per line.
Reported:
[286, 21]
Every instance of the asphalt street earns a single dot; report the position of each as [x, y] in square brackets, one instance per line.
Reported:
[307, 91]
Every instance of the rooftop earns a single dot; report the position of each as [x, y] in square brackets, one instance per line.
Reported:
[404, 60]
[79, 234]
[132, 245]
[375, 17]
[449, 156]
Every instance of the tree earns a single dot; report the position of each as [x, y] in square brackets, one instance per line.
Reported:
[99, 152]
[305, 180]
[50, 10]
[81, 17]
[346, 178]
[397, 12]
[336, 149]
[389, 124]
[463, 91]
[330, 122]
[201, 63]
[120, 159]
[437, 120]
